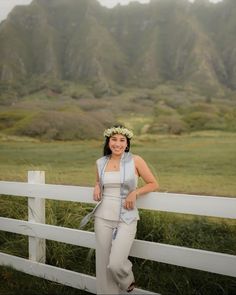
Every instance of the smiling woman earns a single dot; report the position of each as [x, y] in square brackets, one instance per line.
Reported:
[116, 214]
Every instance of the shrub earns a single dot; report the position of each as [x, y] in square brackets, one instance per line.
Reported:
[203, 120]
[168, 124]
[62, 126]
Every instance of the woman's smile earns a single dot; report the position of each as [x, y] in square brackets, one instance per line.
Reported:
[118, 143]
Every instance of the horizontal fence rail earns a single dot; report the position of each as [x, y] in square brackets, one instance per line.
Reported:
[178, 203]
[38, 232]
[182, 256]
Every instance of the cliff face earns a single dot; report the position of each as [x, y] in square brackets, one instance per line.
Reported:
[142, 45]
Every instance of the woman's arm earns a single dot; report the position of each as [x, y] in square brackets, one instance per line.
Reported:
[97, 190]
[150, 186]
[146, 174]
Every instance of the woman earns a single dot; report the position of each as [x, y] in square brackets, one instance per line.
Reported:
[116, 215]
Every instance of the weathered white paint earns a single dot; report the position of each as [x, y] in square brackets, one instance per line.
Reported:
[179, 203]
[49, 232]
[219, 263]
[209, 261]
[190, 204]
[56, 274]
[48, 191]
[35, 228]
[36, 213]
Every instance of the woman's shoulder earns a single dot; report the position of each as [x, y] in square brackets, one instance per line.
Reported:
[101, 160]
[137, 159]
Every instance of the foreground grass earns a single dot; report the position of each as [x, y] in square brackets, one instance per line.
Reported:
[20, 283]
[200, 163]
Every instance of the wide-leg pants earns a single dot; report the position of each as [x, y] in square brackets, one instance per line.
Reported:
[113, 269]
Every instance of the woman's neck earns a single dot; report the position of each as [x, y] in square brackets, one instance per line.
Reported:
[116, 157]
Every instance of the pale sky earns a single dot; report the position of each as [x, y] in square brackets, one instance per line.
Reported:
[7, 5]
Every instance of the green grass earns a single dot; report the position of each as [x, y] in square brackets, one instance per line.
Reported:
[29, 285]
[199, 163]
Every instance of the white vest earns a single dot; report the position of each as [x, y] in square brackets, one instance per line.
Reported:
[128, 184]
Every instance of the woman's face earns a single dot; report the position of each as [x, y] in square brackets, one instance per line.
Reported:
[117, 144]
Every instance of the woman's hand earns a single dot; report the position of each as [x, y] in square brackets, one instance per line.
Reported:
[130, 201]
[97, 193]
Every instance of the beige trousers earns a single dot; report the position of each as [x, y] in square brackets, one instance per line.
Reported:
[113, 269]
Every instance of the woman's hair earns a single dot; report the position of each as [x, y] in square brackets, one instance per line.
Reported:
[107, 150]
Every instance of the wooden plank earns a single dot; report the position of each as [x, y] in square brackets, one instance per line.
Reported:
[36, 213]
[214, 262]
[56, 274]
[178, 203]
[190, 204]
[48, 191]
[220, 263]
[49, 232]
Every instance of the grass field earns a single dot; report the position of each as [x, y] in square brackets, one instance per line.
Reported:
[198, 163]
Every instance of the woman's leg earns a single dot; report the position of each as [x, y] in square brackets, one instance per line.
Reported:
[104, 279]
[119, 264]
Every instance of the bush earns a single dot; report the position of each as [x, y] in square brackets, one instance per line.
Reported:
[163, 109]
[62, 126]
[168, 124]
[203, 121]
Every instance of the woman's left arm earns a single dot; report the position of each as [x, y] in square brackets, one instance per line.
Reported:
[150, 186]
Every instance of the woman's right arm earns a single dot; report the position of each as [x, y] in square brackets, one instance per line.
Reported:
[97, 190]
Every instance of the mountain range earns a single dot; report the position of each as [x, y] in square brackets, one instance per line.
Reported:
[142, 45]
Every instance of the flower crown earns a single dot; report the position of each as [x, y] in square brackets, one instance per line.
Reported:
[118, 130]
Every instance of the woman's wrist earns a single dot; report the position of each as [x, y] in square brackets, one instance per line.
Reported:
[136, 193]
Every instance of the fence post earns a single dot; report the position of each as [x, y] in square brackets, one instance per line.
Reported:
[36, 213]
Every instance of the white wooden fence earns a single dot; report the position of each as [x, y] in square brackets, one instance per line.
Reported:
[37, 191]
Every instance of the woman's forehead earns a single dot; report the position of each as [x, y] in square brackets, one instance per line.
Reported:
[118, 136]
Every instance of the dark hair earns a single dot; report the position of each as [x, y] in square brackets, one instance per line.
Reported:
[107, 150]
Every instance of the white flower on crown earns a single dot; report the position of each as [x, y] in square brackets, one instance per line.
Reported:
[118, 130]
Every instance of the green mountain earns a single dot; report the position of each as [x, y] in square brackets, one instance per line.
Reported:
[141, 45]
[70, 68]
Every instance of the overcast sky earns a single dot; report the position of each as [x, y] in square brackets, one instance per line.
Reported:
[7, 5]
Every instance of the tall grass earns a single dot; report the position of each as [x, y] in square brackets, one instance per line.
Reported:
[201, 163]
